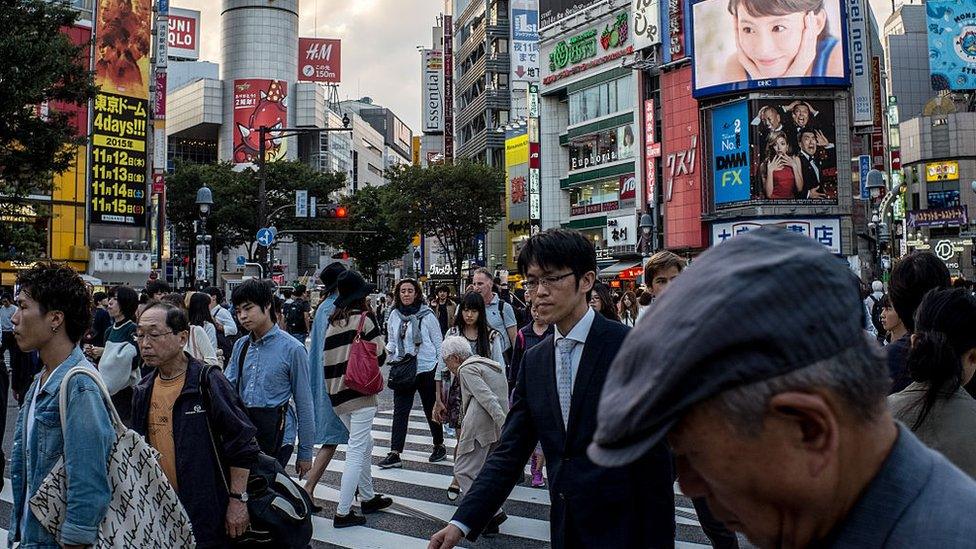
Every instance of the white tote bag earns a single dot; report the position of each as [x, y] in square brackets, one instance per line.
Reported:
[144, 510]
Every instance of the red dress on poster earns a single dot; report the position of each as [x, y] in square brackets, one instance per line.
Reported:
[784, 184]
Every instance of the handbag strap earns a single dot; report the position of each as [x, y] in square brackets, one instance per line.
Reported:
[240, 363]
[117, 424]
[204, 383]
[359, 330]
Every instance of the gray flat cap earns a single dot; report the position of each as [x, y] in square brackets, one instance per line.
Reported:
[756, 307]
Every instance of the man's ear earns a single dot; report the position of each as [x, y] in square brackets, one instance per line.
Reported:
[812, 423]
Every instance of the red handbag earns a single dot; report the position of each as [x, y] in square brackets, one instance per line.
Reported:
[363, 368]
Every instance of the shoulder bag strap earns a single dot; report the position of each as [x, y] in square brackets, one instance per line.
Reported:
[117, 424]
[204, 384]
[362, 321]
[240, 363]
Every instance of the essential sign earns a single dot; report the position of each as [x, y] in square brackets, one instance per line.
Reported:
[433, 91]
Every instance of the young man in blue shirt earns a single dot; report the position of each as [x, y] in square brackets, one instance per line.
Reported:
[275, 371]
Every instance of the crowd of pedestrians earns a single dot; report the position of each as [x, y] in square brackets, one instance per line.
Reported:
[838, 416]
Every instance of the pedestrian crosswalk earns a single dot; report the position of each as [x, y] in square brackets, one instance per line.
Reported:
[420, 491]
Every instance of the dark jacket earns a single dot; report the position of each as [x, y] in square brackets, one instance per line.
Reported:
[592, 506]
[201, 489]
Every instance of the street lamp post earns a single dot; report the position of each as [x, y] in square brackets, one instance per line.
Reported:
[646, 226]
[204, 202]
[280, 133]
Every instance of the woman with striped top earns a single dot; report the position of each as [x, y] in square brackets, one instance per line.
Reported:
[354, 409]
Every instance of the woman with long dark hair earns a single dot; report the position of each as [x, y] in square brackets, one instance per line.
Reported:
[413, 330]
[198, 310]
[941, 361]
[602, 302]
[628, 309]
[355, 410]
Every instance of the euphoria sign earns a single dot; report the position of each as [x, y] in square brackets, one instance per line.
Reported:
[118, 161]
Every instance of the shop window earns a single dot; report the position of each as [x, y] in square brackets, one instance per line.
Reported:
[604, 147]
[601, 100]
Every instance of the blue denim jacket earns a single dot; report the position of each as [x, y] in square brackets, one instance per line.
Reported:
[90, 438]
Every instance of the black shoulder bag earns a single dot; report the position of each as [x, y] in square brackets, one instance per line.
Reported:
[279, 508]
[403, 371]
[270, 422]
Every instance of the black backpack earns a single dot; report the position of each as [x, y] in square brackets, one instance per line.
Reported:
[295, 317]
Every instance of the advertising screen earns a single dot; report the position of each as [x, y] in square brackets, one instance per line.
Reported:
[123, 37]
[553, 11]
[792, 151]
[603, 148]
[761, 44]
[319, 60]
[730, 153]
[952, 43]
[259, 102]
[942, 171]
[517, 174]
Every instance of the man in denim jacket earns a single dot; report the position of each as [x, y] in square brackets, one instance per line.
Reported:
[54, 310]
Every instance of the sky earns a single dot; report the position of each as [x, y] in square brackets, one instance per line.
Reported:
[379, 45]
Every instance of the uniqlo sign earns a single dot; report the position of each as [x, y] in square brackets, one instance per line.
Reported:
[319, 60]
[183, 34]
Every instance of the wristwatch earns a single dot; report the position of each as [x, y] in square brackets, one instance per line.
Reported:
[242, 496]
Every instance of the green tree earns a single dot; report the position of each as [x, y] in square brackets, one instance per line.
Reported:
[453, 203]
[375, 240]
[41, 66]
[233, 218]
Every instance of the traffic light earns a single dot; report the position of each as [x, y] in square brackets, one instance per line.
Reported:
[334, 211]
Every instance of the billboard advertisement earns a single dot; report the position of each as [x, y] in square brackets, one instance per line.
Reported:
[860, 63]
[525, 40]
[647, 22]
[320, 60]
[954, 216]
[449, 87]
[183, 36]
[554, 11]
[673, 17]
[259, 102]
[824, 230]
[952, 43]
[517, 175]
[730, 153]
[682, 162]
[433, 91]
[581, 52]
[603, 147]
[941, 171]
[793, 155]
[123, 37]
[753, 44]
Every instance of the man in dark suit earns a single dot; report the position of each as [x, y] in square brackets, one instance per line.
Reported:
[555, 404]
[815, 160]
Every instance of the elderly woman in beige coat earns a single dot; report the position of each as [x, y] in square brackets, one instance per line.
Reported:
[484, 405]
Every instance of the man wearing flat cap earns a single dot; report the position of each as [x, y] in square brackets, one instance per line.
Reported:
[773, 403]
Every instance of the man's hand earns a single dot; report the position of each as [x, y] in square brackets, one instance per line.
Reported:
[302, 468]
[237, 518]
[447, 538]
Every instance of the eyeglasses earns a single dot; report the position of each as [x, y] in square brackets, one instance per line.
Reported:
[151, 337]
[546, 281]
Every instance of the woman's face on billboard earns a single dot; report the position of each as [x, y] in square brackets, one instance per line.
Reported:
[780, 146]
[772, 43]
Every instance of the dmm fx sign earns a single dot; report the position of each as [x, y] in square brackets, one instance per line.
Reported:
[730, 152]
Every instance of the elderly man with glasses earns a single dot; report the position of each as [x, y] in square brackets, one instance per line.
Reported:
[175, 414]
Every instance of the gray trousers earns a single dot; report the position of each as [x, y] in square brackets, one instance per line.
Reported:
[468, 465]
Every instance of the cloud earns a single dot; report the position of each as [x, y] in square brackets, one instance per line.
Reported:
[379, 39]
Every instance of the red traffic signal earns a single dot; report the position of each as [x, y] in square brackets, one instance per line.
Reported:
[335, 211]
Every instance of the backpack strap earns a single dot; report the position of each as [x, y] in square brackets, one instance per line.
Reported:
[204, 384]
[240, 363]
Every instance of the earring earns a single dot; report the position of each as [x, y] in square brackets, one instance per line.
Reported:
[54, 329]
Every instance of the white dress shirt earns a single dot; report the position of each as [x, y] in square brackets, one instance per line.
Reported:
[226, 319]
[578, 333]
